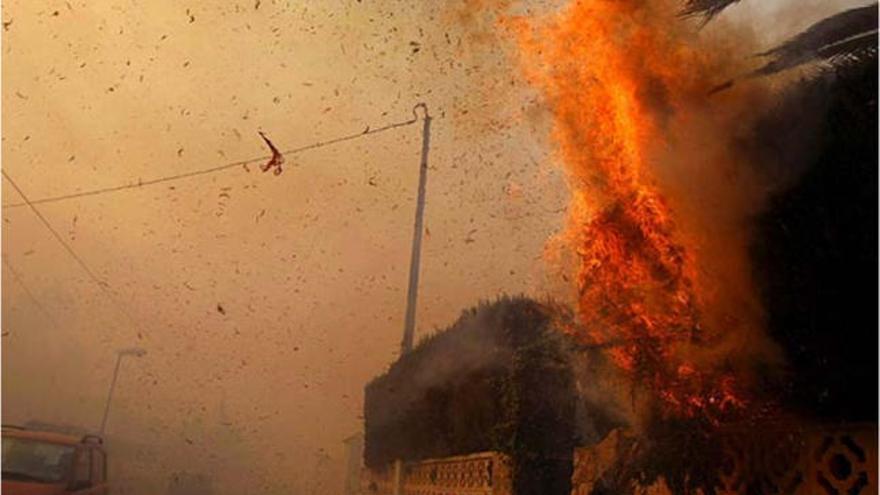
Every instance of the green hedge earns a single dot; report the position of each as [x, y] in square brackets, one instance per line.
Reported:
[499, 379]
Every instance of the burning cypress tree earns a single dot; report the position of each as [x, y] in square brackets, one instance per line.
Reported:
[619, 78]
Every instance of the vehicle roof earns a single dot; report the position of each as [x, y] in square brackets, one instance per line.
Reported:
[41, 436]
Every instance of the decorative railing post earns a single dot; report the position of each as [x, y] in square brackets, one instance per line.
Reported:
[397, 478]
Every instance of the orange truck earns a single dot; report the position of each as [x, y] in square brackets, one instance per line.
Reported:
[37, 462]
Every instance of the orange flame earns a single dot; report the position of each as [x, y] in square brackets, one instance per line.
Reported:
[614, 72]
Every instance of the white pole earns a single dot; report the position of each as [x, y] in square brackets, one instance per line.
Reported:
[412, 292]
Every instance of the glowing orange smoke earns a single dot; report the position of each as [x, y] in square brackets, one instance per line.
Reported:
[613, 73]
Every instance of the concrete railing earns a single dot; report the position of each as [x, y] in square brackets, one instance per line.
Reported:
[793, 460]
[778, 460]
[485, 473]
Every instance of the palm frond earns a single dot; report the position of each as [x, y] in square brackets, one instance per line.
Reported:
[707, 9]
[846, 36]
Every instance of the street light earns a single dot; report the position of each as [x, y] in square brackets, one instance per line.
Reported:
[131, 351]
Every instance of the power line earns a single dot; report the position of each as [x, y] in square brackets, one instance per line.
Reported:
[218, 168]
[54, 232]
[101, 284]
[17, 278]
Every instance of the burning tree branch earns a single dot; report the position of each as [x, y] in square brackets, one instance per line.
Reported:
[275, 161]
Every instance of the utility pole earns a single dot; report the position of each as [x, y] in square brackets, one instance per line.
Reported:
[412, 292]
[137, 352]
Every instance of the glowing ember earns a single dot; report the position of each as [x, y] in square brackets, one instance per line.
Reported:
[613, 73]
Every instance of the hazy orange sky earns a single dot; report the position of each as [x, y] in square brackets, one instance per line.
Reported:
[310, 267]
